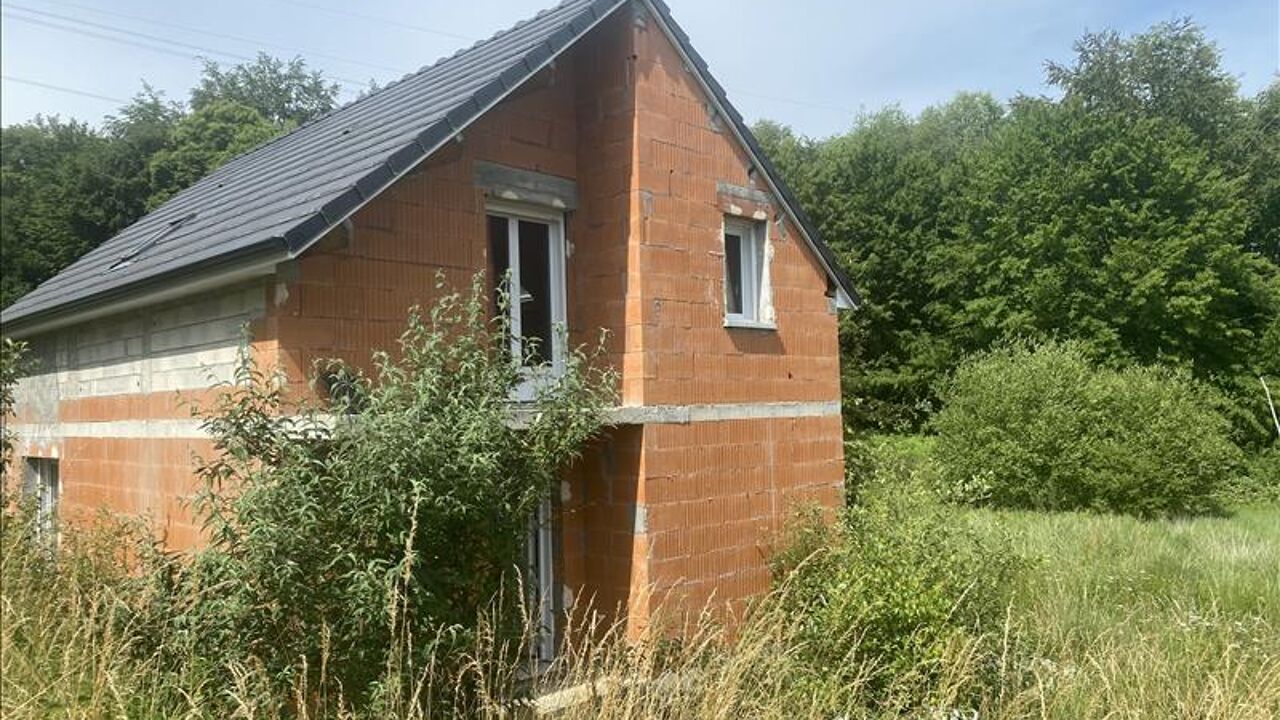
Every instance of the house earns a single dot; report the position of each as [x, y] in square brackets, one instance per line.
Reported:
[589, 151]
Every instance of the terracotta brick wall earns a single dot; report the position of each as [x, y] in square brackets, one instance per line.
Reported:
[665, 511]
[716, 494]
[112, 400]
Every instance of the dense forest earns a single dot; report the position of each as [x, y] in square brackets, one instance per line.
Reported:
[1136, 210]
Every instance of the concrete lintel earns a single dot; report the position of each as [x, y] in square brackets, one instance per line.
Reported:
[508, 183]
[759, 197]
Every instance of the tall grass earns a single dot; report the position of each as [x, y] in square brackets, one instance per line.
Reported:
[70, 651]
[1115, 618]
[1127, 618]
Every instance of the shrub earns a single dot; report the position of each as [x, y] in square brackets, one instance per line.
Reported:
[1260, 481]
[363, 535]
[886, 593]
[12, 363]
[1046, 429]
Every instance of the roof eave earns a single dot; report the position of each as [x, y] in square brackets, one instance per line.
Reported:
[253, 261]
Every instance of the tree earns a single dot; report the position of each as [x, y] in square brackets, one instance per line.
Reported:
[885, 195]
[143, 128]
[1135, 213]
[1260, 149]
[202, 141]
[65, 188]
[1172, 71]
[282, 92]
[48, 177]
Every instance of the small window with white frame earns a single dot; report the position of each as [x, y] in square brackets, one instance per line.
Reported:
[746, 274]
[42, 487]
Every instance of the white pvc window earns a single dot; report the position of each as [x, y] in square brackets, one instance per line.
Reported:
[42, 486]
[542, 583]
[526, 251]
[746, 274]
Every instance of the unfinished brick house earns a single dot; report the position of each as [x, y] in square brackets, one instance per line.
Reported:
[588, 152]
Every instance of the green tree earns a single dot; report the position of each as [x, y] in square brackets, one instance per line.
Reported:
[1136, 212]
[47, 176]
[142, 128]
[886, 196]
[1171, 71]
[202, 141]
[1260, 149]
[281, 91]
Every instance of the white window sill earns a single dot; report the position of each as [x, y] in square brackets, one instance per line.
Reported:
[745, 324]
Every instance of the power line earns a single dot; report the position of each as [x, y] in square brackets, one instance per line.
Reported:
[375, 18]
[396, 23]
[353, 84]
[154, 38]
[790, 101]
[60, 88]
[210, 33]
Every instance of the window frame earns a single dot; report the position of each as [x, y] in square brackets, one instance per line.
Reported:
[754, 273]
[535, 377]
[540, 550]
[44, 482]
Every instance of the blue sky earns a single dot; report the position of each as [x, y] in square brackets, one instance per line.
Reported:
[813, 65]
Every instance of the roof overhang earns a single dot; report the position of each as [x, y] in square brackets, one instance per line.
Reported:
[255, 263]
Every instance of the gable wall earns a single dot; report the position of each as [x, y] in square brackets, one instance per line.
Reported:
[716, 492]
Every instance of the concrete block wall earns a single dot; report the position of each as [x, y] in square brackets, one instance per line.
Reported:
[112, 400]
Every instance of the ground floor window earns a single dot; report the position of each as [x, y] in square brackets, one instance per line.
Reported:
[541, 585]
[41, 484]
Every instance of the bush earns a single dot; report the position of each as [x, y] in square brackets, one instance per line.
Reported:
[365, 535]
[886, 593]
[1046, 429]
[1260, 481]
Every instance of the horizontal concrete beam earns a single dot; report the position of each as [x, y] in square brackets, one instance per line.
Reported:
[719, 412]
[634, 415]
[508, 183]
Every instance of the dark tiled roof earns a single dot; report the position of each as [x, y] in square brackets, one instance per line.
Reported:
[282, 196]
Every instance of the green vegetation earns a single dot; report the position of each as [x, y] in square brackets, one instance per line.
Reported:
[1136, 213]
[1075, 616]
[355, 547]
[65, 187]
[882, 605]
[1046, 429]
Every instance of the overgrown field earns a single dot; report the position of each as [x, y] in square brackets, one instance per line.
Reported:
[1107, 617]
[1132, 618]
